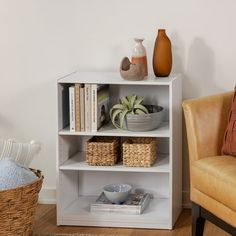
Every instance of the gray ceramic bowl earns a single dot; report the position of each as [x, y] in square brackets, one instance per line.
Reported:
[146, 122]
[117, 193]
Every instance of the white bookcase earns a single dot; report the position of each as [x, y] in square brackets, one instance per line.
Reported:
[79, 184]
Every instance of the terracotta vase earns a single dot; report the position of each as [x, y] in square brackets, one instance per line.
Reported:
[162, 55]
[139, 54]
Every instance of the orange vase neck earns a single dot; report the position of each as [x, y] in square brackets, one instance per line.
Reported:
[161, 32]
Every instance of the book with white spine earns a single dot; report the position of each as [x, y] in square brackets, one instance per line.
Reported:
[82, 127]
[72, 107]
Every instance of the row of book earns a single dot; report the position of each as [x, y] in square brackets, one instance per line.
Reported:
[88, 107]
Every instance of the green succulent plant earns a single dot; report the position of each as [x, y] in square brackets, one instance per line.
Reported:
[131, 104]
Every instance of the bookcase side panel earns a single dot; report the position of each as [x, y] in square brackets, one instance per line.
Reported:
[67, 147]
[67, 191]
[67, 182]
[176, 147]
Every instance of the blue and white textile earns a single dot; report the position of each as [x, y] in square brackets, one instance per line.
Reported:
[13, 174]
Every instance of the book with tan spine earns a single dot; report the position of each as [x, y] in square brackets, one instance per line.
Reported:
[87, 108]
[77, 108]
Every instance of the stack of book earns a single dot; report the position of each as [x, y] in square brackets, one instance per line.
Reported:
[88, 106]
[134, 205]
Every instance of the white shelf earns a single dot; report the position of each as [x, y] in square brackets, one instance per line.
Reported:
[113, 78]
[77, 162]
[110, 130]
[156, 215]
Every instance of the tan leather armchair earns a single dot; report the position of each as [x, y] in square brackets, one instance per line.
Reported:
[212, 175]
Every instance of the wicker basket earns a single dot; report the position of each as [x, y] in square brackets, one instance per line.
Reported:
[17, 208]
[102, 151]
[139, 151]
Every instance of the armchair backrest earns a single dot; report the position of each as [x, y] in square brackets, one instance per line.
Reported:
[206, 120]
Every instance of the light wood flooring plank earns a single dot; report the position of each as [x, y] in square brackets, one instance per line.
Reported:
[45, 222]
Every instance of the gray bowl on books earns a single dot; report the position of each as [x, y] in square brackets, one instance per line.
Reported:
[117, 193]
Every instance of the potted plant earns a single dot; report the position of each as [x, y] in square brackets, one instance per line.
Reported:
[131, 114]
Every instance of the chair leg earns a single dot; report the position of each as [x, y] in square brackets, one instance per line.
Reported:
[198, 221]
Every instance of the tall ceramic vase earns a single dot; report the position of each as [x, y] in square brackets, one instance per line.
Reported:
[162, 55]
[139, 55]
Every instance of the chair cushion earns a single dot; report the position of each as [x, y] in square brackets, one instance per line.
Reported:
[229, 142]
[216, 177]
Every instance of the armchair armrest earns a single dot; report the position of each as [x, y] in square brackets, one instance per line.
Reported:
[206, 120]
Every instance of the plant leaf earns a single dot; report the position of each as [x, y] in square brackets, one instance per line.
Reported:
[128, 104]
[112, 110]
[139, 100]
[141, 107]
[113, 117]
[129, 97]
[118, 106]
[132, 101]
[122, 117]
[125, 102]
[139, 112]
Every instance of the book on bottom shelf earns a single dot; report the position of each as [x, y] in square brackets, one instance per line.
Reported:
[134, 205]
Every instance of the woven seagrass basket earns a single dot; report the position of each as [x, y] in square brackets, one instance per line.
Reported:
[139, 151]
[102, 151]
[18, 206]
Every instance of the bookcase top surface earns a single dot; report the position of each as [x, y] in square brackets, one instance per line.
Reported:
[113, 78]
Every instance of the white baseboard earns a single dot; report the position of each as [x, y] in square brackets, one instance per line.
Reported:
[48, 196]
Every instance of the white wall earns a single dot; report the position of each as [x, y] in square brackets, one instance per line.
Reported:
[42, 40]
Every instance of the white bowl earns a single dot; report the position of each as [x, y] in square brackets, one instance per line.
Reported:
[117, 193]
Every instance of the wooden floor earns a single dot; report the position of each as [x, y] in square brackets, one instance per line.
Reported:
[46, 223]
